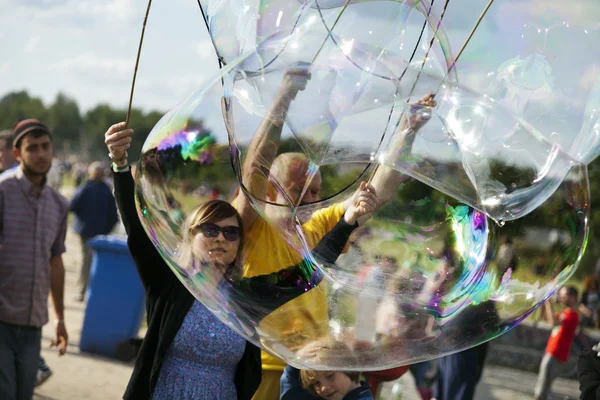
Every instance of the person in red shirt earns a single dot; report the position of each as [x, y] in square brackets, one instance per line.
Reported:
[559, 344]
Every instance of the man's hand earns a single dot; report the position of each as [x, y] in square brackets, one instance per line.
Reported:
[294, 80]
[420, 112]
[363, 204]
[118, 140]
[550, 317]
[62, 338]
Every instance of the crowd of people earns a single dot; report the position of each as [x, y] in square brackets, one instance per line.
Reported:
[188, 353]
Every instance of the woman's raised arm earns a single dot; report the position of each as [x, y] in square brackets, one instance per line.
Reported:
[153, 271]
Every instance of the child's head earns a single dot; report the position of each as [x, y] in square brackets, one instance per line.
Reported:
[330, 385]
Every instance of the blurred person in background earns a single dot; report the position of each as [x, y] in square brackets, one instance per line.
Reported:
[78, 172]
[564, 327]
[54, 176]
[8, 161]
[95, 214]
[589, 306]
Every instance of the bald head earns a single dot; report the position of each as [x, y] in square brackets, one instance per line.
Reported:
[291, 170]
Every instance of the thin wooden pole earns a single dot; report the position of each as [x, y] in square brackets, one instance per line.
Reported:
[137, 63]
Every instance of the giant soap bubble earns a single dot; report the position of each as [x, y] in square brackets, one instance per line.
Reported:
[440, 267]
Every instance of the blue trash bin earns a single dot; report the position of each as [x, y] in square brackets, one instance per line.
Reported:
[116, 299]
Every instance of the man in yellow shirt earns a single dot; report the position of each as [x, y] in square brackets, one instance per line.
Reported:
[266, 251]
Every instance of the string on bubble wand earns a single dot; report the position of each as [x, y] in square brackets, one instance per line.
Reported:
[329, 31]
[450, 68]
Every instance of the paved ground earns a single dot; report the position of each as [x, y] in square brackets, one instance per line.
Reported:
[78, 375]
[500, 384]
[84, 376]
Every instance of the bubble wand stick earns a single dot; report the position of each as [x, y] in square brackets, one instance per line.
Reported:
[137, 63]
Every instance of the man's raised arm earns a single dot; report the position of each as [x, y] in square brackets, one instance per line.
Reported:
[386, 179]
[265, 142]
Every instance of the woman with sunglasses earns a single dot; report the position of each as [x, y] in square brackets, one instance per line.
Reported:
[187, 352]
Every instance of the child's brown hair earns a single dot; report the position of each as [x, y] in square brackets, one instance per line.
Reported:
[331, 353]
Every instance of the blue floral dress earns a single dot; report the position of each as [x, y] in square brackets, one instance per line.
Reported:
[201, 361]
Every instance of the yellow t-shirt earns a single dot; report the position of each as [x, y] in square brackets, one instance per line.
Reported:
[305, 317]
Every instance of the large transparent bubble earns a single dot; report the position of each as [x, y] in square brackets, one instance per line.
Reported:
[428, 274]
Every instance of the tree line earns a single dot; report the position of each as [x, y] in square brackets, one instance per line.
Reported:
[82, 133]
[75, 132]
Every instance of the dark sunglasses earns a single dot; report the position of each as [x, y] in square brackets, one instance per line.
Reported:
[230, 233]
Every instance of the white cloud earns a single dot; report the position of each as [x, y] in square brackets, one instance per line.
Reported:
[32, 44]
[5, 68]
[205, 49]
[111, 10]
[41, 3]
[577, 11]
[79, 12]
[590, 77]
[89, 62]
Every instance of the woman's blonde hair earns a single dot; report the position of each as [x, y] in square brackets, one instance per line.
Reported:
[210, 212]
[329, 352]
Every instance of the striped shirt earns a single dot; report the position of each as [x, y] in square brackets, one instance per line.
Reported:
[32, 230]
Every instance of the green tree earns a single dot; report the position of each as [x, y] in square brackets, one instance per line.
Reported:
[17, 106]
[65, 122]
[98, 119]
[95, 122]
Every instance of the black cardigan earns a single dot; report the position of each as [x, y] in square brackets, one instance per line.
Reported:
[588, 372]
[168, 301]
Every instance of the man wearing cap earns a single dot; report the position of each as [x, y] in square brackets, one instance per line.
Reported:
[8, 161]
[95, 214]
[33, 225]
